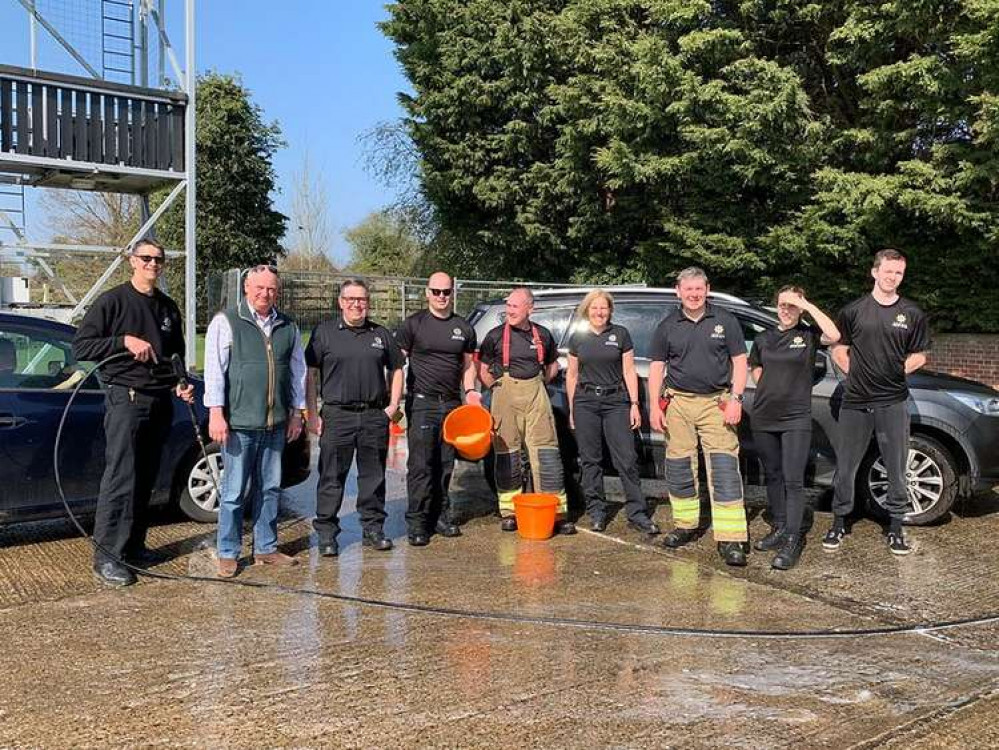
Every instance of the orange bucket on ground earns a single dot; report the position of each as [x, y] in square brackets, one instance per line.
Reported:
[535, 514]
[469, 429]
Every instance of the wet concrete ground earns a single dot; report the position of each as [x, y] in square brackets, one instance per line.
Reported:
[207, 664]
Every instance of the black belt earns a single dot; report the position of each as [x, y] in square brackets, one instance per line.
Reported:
[435, 397]
[359, 405]
[601, 390]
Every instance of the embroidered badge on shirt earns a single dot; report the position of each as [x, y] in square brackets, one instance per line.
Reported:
[900, 321]
[377, 343]
[797, 343]
[719, 332]
[456, 335]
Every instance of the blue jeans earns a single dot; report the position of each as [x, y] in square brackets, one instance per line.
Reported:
[250, 456]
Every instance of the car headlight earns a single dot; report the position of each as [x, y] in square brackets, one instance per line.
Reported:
[982, 404]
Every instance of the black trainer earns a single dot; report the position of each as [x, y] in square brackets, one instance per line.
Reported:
[598, 523]
[565, 528]
[679, 537]
[446, 528]
[509, 523]
[773, 540]
[897, 543]
[834, 537]
[645, 525]
[790, 552]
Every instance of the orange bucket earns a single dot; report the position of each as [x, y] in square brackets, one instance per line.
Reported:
[535, 514]
[469, 429]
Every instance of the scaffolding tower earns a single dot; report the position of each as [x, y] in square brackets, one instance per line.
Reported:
[104, 128]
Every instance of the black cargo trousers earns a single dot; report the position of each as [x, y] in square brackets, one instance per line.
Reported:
[430, 463]
[890, 426]
[136, 425]
[349, 430]
[599, 415]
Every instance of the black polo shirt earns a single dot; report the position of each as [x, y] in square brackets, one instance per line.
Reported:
[783, 398]
[880, 338]
[523, 352]
[437, 349]
[352, 361]
[600, 355]
[698, 355]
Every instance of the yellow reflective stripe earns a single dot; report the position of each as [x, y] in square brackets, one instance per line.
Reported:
[686, 513]
[728, 517]
[506, 501]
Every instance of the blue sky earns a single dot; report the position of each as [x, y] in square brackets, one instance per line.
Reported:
[321, 68]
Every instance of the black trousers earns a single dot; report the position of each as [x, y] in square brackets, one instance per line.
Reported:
[784, 455]
[600, 418]
[135, 427]
[346, 433]
[890, 425]
[430, 463]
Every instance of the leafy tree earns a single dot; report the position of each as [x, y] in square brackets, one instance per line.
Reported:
[385, 243]
[767, 140]
[237, 224]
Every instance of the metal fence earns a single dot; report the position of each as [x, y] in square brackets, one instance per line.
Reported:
[309, 297]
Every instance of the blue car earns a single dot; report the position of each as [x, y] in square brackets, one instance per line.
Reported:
[37, 375]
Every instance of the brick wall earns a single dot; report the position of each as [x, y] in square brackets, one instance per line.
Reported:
[970, 355]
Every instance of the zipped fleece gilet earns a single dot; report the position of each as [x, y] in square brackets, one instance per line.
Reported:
[258, 379]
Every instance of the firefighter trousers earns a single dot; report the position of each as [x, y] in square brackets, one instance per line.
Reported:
[522, 415]
[693, 418]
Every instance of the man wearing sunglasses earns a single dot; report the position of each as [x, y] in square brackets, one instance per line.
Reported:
[138, 318]
[439, 344]
[357, 367]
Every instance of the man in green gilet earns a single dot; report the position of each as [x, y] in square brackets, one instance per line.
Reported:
[255, 393]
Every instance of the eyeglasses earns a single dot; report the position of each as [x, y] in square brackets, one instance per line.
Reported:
[355, 301]
[147, 259]
[440, 292]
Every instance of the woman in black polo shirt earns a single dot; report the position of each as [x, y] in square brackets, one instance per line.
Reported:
[782, 363]
[602, 387]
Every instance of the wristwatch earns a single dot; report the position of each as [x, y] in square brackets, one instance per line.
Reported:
[738, 397]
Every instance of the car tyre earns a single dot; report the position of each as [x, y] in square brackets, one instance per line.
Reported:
[197, 496]
[932, 482]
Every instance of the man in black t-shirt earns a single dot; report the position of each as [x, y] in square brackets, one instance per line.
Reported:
[884, 338]
[357, 367]
[135, 317]
[440, 345]
[702, 350]
[517, 358]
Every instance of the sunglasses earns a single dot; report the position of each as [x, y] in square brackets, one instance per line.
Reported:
[440, 292]
[264, 267]
[147, 259]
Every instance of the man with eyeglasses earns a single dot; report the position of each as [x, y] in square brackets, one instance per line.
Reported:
[440, 345]
[134, 317]
[255, 394]
[357, 367]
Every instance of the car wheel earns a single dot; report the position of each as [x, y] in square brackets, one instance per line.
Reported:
[198, 498]
[931, 482]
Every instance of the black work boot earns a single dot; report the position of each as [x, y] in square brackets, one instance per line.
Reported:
[773, 540]
[445, 522]
[679, 537]
[790, 552]
[732, 553]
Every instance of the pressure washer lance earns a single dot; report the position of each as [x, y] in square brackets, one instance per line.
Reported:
[181, 373]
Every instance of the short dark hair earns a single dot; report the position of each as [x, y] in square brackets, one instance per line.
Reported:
[147, 242]
[888, 254]
[355, 281]
[793, 288]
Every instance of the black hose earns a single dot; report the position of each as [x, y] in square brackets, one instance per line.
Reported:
[494, 616]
